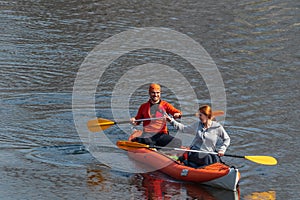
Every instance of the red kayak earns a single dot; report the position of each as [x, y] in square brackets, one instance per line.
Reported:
[216, 175]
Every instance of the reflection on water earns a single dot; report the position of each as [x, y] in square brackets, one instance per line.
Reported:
[268, 195]
[158, 186]
[94, 177]
[255, 45]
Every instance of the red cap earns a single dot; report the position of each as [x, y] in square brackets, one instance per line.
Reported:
[154, 86]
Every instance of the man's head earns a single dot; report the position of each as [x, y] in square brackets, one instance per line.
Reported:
[154, 92]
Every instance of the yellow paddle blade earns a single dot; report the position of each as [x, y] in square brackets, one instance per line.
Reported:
[265, 160]
[124, 144]
[217, 113]
[99, 124]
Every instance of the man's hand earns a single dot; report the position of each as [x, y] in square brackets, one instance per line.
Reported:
[132, 121]
[168, 118]
[177, 115]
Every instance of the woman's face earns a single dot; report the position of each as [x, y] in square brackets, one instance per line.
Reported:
[203, 118]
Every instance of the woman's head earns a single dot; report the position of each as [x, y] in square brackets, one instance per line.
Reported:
[206, 111]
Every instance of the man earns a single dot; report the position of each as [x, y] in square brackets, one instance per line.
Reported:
[155, 132]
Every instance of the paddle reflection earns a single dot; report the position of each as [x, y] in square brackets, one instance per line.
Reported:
[269, 195]
[95, 179]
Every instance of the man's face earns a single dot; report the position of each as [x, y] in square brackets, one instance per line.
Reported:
[155, 95]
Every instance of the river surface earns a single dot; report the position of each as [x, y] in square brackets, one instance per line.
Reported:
[254, 44]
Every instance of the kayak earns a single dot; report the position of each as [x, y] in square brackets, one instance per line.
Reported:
[216, 175]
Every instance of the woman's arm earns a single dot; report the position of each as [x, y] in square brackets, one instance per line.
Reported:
[177, 125]
[191, 129]
[225, 138]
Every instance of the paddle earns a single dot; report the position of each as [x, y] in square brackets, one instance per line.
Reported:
[101, 124]
[264, 160]
[215, 113]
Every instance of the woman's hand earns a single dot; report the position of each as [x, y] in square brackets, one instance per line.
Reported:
[220, 153]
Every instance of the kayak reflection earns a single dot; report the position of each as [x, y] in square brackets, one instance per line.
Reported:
[157, 186]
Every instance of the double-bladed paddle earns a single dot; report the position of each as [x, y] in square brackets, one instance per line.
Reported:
[264, 160]
[101, 124]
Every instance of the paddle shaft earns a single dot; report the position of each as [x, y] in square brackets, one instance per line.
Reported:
[208, 152]
[191, 150]
[140, 145]
[139, 120]
[101, 124]
[234, 156]
[154, 118]
[265, 160]
[198, 151]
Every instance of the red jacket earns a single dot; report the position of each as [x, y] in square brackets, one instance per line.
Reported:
[158, 125]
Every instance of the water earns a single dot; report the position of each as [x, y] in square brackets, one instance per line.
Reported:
[253, 43]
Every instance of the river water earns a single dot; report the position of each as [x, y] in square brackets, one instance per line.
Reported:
[254, 44]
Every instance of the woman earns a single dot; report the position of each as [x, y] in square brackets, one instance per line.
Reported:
[210, 136]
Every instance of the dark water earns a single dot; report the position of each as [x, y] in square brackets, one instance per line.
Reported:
[255, 45]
